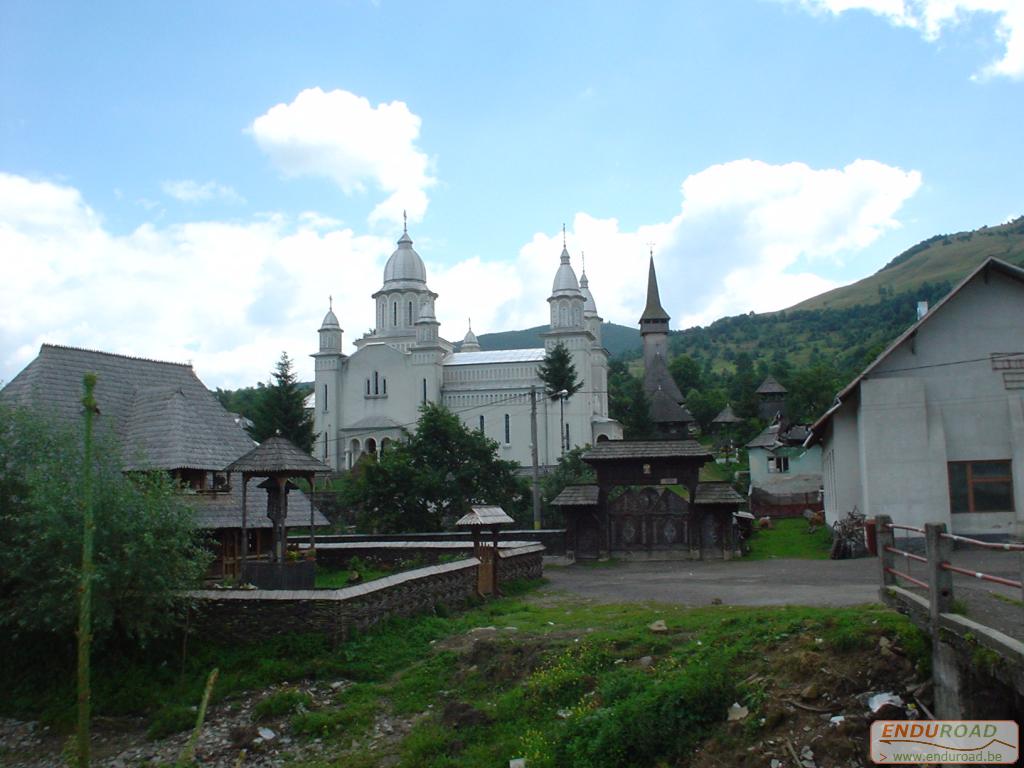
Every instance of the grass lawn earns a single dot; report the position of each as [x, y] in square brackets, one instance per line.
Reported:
[789, 538]
[336, 579]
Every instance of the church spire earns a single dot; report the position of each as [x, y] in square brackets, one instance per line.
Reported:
[653, 312]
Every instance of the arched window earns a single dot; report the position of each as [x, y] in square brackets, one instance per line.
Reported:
[325, 401]
[394, 313]
[376, 383]
[602, 438]
[371, 445]
[367, 386]
[424, 390]
[481, 423]
[508, 429]
[408, 315]
[385, 388]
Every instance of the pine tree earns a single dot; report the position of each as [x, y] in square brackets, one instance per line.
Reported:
[281, 409]
[558, 372]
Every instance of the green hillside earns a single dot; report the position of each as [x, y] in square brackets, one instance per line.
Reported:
[943, 258]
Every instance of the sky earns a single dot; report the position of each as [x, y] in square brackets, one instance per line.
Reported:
[192, 181]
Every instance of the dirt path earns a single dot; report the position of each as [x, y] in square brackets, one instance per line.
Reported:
[737, 582]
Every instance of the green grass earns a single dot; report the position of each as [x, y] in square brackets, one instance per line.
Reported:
[336, 579]
[556, 681]
[789, 538]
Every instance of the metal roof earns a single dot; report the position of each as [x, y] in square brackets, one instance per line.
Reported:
[611, 450]
[565, 283]
[485, 515]
[161, 413]
[576, 496]
[496, 356]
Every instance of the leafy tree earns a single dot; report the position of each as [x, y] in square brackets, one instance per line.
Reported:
[245, 400]
[686, 372]
[743, 387]
[281, 409]
[147, 549]
[628, 403]
[426, 483]
[704, 406]
[811, 391]
[571, 470]
[558, 372]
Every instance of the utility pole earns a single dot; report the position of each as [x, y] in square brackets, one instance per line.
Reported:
[533, 452]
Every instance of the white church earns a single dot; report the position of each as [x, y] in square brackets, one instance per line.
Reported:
[365, 400]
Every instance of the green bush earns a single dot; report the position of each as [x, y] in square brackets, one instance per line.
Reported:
[171, 719]
[281, 703]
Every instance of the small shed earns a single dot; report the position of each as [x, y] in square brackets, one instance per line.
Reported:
[719, 504]
[578, 504]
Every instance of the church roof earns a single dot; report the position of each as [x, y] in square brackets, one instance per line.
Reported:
[726, 416]
[665, 410]
[405, 268]
[330, 322]
[496, 356]
[653, 310]
[565, 283]
[161, 413]
[657, 376]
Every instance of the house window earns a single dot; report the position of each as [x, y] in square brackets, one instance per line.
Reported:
[508, 429]
[778, 463]
[980, 486]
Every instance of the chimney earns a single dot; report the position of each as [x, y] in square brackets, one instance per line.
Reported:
[922, 309]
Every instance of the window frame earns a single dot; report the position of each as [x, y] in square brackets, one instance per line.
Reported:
[971, 481]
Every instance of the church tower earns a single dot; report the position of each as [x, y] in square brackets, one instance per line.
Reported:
[654, 322]
[328, 364]
[598, 354]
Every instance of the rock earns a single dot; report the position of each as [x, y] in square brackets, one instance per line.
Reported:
[884, 642]
[242, 736]
[716, 601]
[517, 762]
[810, 693]
[776, 763]
[266, 734]
[737, 712]
[836, 720]
[658, 627]
[645, 662]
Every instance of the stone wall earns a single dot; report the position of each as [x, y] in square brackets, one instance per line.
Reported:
[249, 615]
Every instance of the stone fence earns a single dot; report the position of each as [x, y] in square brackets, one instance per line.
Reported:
[249, 615]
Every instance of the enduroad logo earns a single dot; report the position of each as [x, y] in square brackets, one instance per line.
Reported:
[989, 742]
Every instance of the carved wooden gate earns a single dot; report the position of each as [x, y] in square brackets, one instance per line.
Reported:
[649, 519]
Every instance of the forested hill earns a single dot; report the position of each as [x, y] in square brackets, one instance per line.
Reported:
[619, 340]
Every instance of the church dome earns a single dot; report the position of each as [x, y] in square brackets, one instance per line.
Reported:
[469, 342]
[565, 279]
[589, 306]
[330, 322]
[405, 266]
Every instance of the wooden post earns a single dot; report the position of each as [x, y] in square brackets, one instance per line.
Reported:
[494, 563]
[312, 514]
[884, 538]
[85, 582]
[940, 581]
[533, 458]
[245, 530]
[279, 538]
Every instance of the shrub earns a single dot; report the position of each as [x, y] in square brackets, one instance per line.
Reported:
[280, 703]
[171, 719]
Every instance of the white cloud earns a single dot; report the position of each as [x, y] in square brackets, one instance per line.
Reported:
[231, 296]
[341, 136]
[189, 191]
[931, 17]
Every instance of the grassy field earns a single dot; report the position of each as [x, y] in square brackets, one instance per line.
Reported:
[789, 538]
[536, 675]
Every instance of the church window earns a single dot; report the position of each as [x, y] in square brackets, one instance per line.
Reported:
[508, 429]
[367, 386]
[408, 315]
[325, 446]
[376, 383]
[325, 398]
[424, 390]
[385, 389]
[394, 313]
[567, 443]
[481, 423]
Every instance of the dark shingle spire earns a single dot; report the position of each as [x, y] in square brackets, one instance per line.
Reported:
[653, 311]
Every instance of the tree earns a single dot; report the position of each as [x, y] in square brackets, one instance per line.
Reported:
[281, 409]
[425, 483]
[147, 549]
[571, 470]
[686, 372]
[628, 403]
[558, 372]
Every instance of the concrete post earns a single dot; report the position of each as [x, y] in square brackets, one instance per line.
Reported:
[940, 581]
[884, 538]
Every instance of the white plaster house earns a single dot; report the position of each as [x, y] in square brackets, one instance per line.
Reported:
[366, 399]
[933, 430]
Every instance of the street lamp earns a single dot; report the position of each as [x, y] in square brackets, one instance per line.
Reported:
[561, 424]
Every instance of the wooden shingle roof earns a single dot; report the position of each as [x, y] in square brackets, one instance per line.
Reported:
[484, 515]
[771, 386]
[160, 413]
[576, 496]
[717, 493]
[726, 416]
[278, 455]
[224, 510]
[614, 450]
